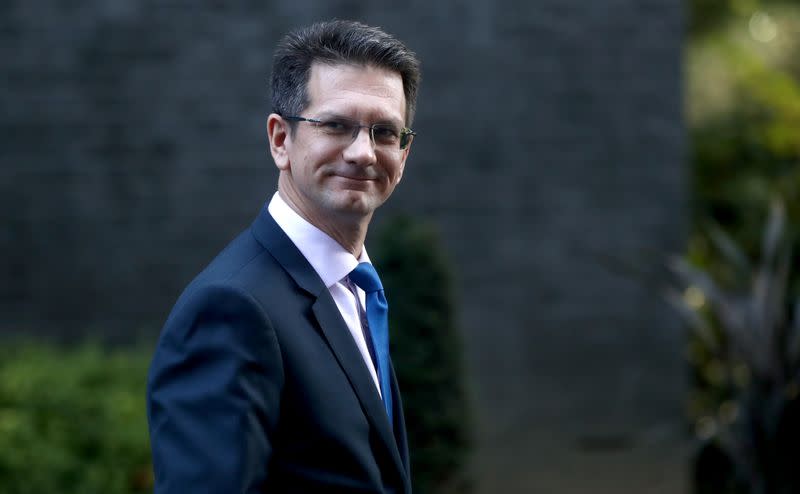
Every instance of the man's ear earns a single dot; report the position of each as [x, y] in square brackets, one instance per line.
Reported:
[278, 135]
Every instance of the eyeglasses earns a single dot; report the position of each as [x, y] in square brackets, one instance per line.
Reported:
[346, 130]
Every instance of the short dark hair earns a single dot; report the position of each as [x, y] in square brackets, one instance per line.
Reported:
[335, 42]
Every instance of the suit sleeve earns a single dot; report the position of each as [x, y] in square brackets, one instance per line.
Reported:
[213, 395]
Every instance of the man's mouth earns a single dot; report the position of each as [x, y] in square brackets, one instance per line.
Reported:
[356, 177]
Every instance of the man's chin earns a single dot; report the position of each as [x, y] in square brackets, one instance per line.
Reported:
[355, 203]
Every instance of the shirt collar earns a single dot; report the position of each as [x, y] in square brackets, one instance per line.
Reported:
[328, 258]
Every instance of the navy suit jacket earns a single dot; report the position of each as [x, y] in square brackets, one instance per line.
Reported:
[256, 384]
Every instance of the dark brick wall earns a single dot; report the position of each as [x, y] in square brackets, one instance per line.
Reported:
[132, 149]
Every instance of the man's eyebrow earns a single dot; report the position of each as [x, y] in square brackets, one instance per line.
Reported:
[332, 115]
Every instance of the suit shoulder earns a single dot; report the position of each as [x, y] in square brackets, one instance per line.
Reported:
[245, 270]
[236, 256]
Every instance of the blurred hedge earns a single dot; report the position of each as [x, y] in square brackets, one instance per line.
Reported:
[427, 354]
[73, 420]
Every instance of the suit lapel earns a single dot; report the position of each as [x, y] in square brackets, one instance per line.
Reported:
[341, 342]
[336, 333]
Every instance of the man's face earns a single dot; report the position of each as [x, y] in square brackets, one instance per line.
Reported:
[329, 178]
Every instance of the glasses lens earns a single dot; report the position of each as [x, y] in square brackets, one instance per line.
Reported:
[385, 135]
[338, 127]
[405, 139]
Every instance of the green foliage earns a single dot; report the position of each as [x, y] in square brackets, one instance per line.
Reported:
[743, 69]
[73, 421]
[748, 339]
[427, 354]
[708, 16]
[744, 109]
[704, 15]
[744, 122]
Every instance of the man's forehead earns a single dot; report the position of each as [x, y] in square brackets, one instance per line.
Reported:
[356, 83]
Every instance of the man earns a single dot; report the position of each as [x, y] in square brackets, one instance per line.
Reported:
[272, 371]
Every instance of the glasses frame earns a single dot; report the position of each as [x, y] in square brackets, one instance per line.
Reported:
[406, 134]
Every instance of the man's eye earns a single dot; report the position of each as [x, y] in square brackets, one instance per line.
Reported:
[335, 126]
[385, 132]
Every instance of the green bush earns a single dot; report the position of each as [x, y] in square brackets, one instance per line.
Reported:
[73, 421]
[744, 123]
[744, 126]
[743, 104]
[749, 336]
[427, 354]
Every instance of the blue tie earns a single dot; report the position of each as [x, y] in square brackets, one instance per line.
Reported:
[367, 279]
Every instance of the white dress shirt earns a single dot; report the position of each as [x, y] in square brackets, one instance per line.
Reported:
[332, 263]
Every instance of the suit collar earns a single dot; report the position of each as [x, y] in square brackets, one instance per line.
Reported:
[335, 331]
[270, 235]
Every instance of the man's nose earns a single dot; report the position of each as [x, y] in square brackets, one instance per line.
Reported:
[362, 149]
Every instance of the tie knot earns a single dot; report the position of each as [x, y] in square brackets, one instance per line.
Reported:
[366, 278]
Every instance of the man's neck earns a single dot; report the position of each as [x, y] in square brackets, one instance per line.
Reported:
[347, 232]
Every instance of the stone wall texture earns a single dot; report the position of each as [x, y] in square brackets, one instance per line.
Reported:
[551, 148]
